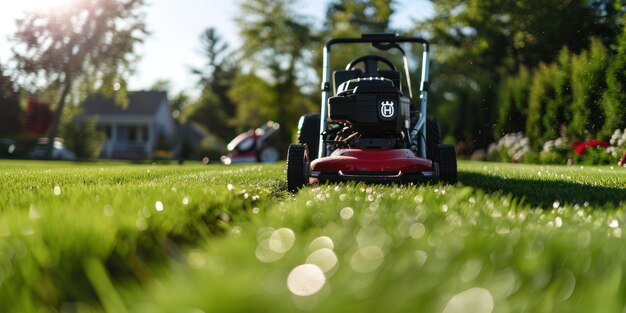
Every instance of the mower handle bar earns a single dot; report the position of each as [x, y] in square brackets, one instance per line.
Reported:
[381, 38]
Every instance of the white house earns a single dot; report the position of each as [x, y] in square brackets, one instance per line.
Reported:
[134, 131]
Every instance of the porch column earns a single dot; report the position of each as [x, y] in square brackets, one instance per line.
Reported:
[112, 140]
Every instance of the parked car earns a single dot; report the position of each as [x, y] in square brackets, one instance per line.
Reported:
[59, 151]
[8, 148]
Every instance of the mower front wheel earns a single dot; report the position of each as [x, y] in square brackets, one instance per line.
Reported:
[297, 167]
[445, 157]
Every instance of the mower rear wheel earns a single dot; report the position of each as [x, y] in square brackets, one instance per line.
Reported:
[297, 167]
[269, 154]
[309, 133]
[445, 157]
[433, 136]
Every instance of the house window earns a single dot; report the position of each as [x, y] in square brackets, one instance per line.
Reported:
[132, 133]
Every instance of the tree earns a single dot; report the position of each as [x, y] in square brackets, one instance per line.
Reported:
[89, 46]
[277, 44]
[614, 97]
[481, 43]
[588, 84]
[215, 109]
[9, 106]
[512, 103]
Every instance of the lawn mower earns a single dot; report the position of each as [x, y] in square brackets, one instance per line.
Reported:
[252, 146]
[369, 130]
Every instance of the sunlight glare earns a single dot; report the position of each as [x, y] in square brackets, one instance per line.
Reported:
[40, 5]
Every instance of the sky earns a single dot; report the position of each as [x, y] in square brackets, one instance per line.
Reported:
[173, 47]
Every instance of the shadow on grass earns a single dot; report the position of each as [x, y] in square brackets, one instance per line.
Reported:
[543, 193]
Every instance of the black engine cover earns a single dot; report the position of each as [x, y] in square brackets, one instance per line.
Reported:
[371, 106]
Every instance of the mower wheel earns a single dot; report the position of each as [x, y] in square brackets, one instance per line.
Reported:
[433, 137]
[309, 133]
[445, 157]
[297, 167]
[269, 154]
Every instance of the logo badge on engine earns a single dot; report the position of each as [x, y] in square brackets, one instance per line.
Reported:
[386, 108]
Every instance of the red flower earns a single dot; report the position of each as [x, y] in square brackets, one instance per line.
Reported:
[580, 147]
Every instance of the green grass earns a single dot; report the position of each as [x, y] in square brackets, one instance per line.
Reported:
[508, 238]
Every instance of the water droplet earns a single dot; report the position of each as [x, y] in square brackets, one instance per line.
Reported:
[33, 212]
[417, 230]
[282, 240]
[159, 206]
[306, 280]
[265, 254]
[367, 259]
[475, 300]
[346, 213]
[558, 222]
[108, 211]
[320, 243]
[324, 258]
[470, 270]
[421, 257]
[141, 224]
[57, 190]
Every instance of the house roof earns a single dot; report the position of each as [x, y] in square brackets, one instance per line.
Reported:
[145, 103]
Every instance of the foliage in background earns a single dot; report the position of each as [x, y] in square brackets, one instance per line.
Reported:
[277, 43]
[84, 139]
[9, 106]
[479, 45]
[89, 46]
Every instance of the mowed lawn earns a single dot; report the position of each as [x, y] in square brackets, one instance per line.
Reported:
[115, 237]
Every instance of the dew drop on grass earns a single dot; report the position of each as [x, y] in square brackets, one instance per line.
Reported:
[470, 270]
[57, 190]
[617, 233]
[419, 199]
[236, 231]
[321, 243]
[417, 230]
[475, 300]
[367, 259]
[282, 240]
[306, 280]
[141, 224]
[324, 258]
[159, 206]
[346, 213]
[421, 257]
[108, 210]
[33, 212]
[558, 222]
